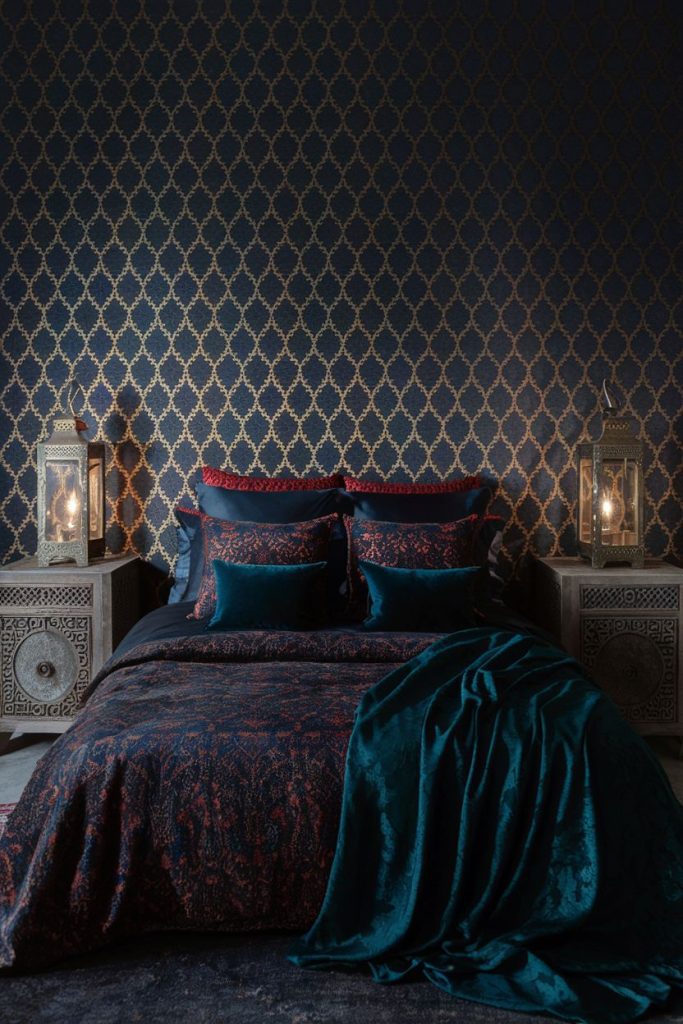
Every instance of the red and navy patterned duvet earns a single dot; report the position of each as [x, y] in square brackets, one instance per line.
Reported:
[199, 788]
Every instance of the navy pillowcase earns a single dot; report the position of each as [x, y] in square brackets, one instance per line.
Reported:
[268, 596]
[420, 600]
[189, 567]
[269, 506]
[287, 507]
[420, 508]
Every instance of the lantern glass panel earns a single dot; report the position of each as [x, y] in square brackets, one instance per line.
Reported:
[95, 498]
[63, 500]
[618, 502]
[585, 499]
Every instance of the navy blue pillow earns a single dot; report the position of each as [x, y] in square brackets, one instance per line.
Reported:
[287, 507]
[419, 600]
[268, 596]
[189, 567]
[420, 508]
[269, 506]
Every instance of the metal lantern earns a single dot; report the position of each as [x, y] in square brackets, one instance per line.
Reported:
[70, 493]
[610, 480]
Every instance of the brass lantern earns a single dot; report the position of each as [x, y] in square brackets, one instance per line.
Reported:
[70, 493]
[610, 480]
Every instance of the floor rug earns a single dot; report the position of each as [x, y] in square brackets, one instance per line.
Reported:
[5, 810]
[230, 979]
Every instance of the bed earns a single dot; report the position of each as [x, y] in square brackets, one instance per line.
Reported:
[432, 789]
[200, 787]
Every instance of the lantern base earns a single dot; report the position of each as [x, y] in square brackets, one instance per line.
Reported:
[54, 552]
[600, 556]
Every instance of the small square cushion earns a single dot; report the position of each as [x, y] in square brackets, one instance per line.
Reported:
[258, 544]
[405, 546]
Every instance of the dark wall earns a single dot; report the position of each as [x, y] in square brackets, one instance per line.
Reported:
[408, 240]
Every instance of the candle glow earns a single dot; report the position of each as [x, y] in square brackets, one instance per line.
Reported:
[72, 506]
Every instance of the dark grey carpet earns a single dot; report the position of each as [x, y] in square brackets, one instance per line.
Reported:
[210, 979]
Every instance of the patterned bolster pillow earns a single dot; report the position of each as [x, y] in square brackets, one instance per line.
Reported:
[258, 544]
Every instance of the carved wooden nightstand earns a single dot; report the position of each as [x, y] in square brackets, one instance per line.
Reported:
[57, 628]
[624, 625]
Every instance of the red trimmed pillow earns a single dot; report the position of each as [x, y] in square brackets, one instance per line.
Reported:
[219, 478]
[258, 544]
[405, 546]
[466, 483]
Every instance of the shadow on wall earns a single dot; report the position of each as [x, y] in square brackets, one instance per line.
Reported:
[131, 472]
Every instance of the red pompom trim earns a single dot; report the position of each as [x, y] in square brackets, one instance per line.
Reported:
[234, 482]
[189, 511]
[467, 483]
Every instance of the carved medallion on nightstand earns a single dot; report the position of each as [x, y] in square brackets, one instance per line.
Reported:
[634, 660]
[48, 663]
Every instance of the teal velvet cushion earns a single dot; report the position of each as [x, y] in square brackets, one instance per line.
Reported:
[268, 596]
[438, 600]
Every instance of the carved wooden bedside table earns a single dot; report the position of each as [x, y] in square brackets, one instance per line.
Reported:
[624, 625]
[58, 625]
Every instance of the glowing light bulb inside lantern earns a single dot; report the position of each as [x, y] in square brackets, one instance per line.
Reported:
[607, 509]
[71, 509]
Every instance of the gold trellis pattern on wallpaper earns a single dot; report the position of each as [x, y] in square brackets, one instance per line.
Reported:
[403, 239]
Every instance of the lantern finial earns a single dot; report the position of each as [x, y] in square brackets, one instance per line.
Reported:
[74, 388]
[67, 397]
[609, 404]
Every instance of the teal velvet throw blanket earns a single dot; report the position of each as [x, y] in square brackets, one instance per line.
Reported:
[506, 835]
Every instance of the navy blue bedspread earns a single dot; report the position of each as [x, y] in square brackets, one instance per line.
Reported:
[199, 788]
[165, 623]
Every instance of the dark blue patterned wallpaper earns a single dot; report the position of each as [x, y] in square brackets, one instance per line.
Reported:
[405, 239]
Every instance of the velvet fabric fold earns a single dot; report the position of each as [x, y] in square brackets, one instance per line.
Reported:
[507, 836]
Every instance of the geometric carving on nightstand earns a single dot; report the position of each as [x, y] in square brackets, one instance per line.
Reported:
[47, 596]
[41, 654]
[624, 597]
[634, 661]
[630, 667]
